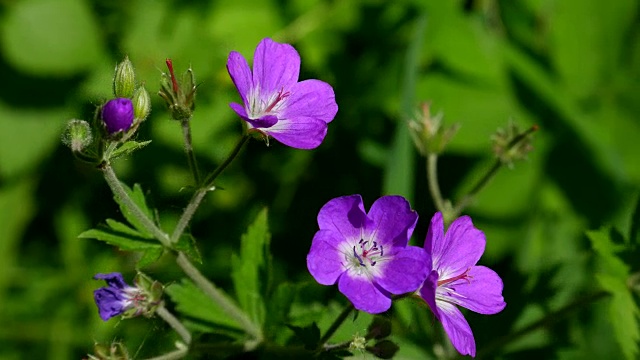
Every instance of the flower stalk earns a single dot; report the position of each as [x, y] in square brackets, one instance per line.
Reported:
[188, 149]
[335, 325]
[170, 319]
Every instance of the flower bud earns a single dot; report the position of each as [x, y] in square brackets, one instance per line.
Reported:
[511, 144]
[117, 115]
[179, 96]
[380, 328]
[124, 80]
[77, 135]
[141, 103]
[116, 351]
[428, 132]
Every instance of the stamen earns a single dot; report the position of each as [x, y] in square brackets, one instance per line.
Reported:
[461, 276]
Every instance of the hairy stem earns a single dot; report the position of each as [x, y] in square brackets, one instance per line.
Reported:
[208, 181]
[219, 298]
[336, 323]
[174, 323]
[120, 193]
[432, 178]
[188, 149]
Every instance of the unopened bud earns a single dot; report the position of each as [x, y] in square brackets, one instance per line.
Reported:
[115, 351]
[77, 135]
[141, 103]
[180, 96]
[380, 328]
[117, 115]
[428, 132]
[511, 144]
[124, 80]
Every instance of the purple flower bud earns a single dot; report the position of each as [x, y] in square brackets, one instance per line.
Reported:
[117, 115]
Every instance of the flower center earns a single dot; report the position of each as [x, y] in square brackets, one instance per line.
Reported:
[368, 252]
[464, 275]
[273, 104]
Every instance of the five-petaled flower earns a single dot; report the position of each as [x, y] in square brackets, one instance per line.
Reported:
[367, 253]
[456, 280]
[275, 103]
[117, 297]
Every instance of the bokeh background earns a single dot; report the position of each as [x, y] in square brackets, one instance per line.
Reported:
[570, 66]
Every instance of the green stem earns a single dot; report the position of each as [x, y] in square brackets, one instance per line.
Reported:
[219, 298]
[546, 321]
[174, 323]
[336, 323]
[208, 182]
[174, 355]
[120, 193]
[432, 178]
[188, 149]
[197, 197]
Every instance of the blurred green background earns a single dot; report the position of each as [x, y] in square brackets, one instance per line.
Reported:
[570, 66]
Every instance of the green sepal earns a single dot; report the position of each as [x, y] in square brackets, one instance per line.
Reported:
[127, 148]
[187, 244]
[149, 256]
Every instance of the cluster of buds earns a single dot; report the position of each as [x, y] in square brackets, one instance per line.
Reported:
[130, 106]
[428, 132]
[115, 351]
[180, 95]
[511, 144]
[119, 298]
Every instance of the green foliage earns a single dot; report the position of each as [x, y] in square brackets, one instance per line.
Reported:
[129, 148]
[250, 269]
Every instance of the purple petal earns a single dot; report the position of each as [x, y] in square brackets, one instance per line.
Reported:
[428, 292]
[240, 110]
[393, 220]
[109, 302]
[113, 279]
[313, 99]
[460, 249]
[324, 260]
[457, 328]
[275, 67]
[304, 133]
[481, 292]
[363, 294]
[433, 242]
[240, 74]
[406, 271]
[344, 215]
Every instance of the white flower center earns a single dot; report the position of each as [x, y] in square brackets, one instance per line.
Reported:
[271, 106]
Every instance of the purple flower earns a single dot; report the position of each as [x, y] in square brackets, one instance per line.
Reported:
[117, 115]
[275, 103]
[367, 253]
[117, 298]
[455, 280]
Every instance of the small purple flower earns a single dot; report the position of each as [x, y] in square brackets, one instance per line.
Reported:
[367, 253]
[456, 280]
[275, 103]
[117, 298]
[117, 115]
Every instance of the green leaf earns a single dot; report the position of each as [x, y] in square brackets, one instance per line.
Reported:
[278, 307]
[149, 256]
[606, 251]
[138, 198]
[192, 302]
[623, 313]
[248, 268]
[187, 244]
[125, 238]
[128, 148]
[308, 335]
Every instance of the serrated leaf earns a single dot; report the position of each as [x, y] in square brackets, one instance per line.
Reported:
[138, 198]
[248, 267]
[187, 244]
[128, 148]
[308, 335]
[192, 302]
[606, 250]
[148, 257]
[624, 314]
[123, 240]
